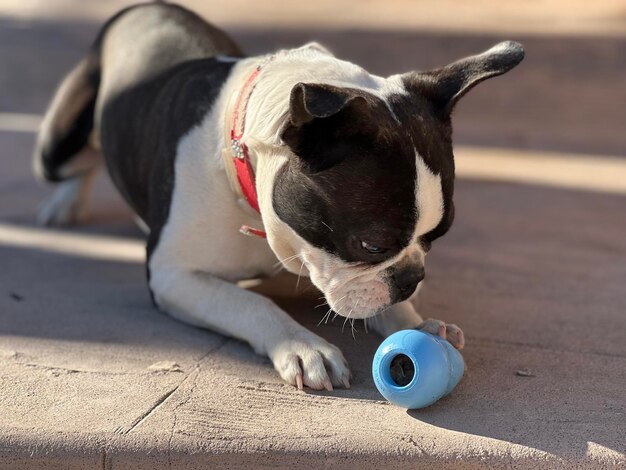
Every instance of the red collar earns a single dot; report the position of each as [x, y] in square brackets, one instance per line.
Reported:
[238, 151]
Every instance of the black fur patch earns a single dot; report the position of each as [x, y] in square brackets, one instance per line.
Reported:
[430, 130]
[354, 179]
[161, 111]
[355, 176]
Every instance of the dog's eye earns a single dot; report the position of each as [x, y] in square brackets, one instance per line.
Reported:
[372, 248]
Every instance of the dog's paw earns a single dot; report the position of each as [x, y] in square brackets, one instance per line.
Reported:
[308, 360]
[62, 208]
[447, 331]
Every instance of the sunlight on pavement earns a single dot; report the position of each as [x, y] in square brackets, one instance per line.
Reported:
[594, 448]
[74, 244]
[19, 122]
[585, 172]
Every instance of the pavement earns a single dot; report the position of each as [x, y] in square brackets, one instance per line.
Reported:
[533, 270]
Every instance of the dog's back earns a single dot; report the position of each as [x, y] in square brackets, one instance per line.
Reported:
[133, 47]
[145, 40]
[145, 60]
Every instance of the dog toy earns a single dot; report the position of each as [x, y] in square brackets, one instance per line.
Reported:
[414, 369]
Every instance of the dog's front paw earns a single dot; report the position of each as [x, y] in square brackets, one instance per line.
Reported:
[307, 359]
[447, 331]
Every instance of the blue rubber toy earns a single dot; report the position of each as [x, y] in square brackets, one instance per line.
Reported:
[414, 369]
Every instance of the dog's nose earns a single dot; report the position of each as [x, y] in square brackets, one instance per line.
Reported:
[406, 281]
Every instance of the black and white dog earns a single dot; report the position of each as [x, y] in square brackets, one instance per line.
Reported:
[345, 177]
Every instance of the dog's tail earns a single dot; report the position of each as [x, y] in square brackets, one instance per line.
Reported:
[67, 126]
[68, 122]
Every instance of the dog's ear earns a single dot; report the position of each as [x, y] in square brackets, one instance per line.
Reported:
[320, 115]
[445, 86]
[309, 101]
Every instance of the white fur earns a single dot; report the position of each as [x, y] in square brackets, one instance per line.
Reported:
[428, 199]
[267, 109]
[200, 253]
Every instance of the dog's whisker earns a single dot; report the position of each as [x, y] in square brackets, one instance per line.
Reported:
[351, 323]
[286, 260]
[326, 315]
[299, 274]
[344, 324]
[289, 258]
[339, 301]
[339, 307]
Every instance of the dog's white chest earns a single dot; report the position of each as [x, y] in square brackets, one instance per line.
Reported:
[202, 231]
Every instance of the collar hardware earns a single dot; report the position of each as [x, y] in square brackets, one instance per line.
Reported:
[236, 155]
[236, 148]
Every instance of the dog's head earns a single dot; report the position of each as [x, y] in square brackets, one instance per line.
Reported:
[369, 185]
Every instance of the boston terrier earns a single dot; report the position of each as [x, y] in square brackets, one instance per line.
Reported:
[237, 165]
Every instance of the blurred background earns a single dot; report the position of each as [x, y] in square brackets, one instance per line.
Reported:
[567, 97]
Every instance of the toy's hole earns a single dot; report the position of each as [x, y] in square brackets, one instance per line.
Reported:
[402, 370]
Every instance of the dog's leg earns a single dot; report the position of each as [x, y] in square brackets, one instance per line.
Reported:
[400, 316]
[403, 316]
[68, 202]
[299, 356]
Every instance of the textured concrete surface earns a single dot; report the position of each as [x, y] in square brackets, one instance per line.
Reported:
[79, 336]
[92, 376]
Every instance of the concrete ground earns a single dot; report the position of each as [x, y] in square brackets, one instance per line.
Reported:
[92, 376]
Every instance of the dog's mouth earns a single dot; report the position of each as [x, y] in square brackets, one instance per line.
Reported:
[350, 291]
[363, 301]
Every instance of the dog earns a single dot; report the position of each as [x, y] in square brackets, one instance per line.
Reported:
[326, 170]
